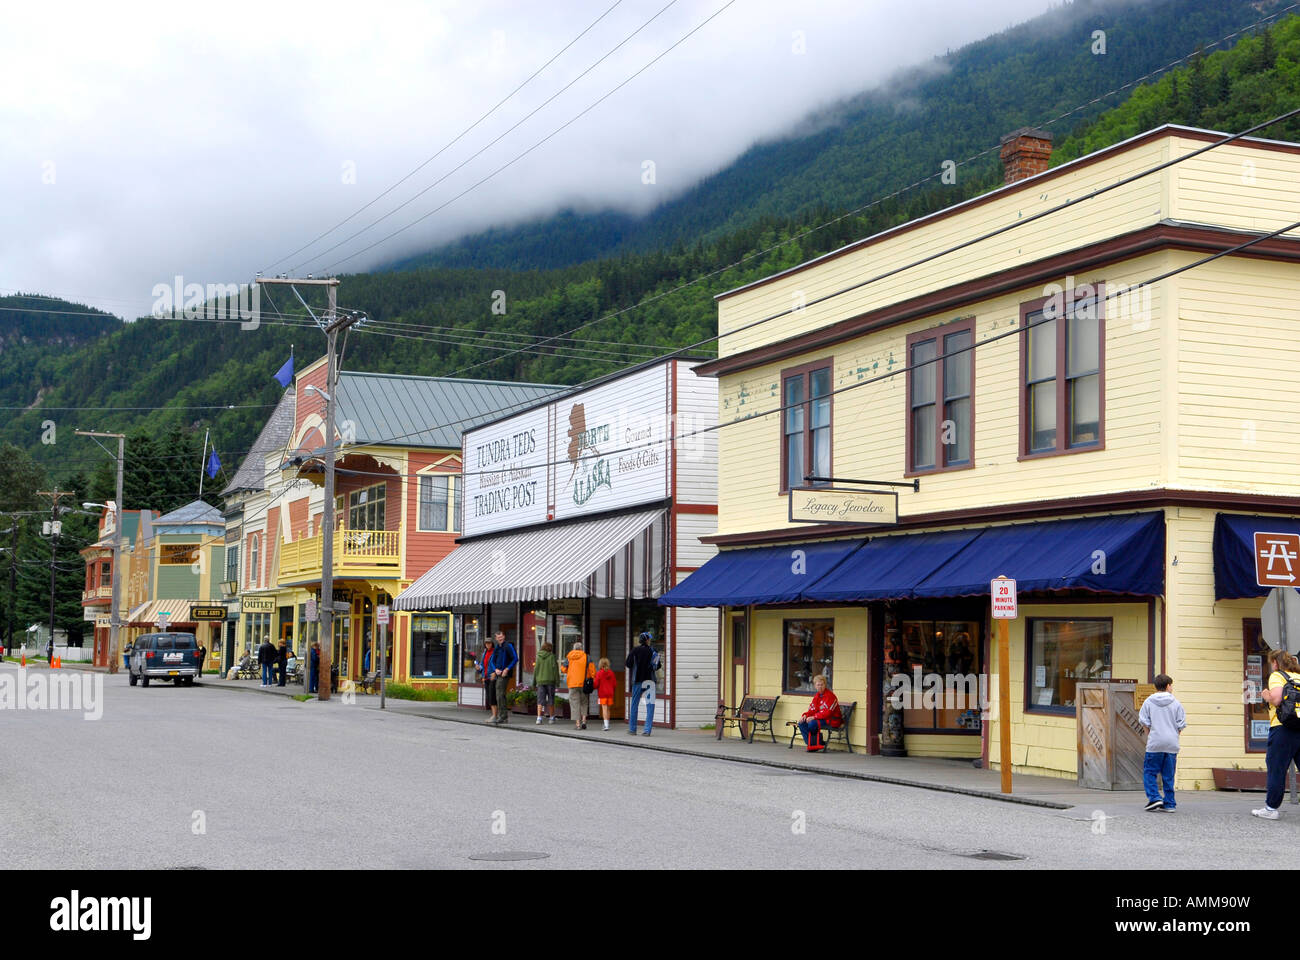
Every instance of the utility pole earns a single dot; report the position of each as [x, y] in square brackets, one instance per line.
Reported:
[56, 526]
[115, 619]
[331, 323]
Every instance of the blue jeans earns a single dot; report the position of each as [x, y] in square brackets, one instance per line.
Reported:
[647, 690]
[810, 728]
[1162, 765]
[266, 674]
[1283, 750]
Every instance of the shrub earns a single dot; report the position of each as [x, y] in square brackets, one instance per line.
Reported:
[405, 691]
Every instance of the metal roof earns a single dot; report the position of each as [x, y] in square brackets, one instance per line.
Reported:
[197, 512]
[276, 435]
[385, 408]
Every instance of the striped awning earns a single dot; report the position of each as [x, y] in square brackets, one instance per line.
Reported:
[146, 614]
[610, 557]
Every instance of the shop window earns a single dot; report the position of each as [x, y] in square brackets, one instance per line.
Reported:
[308, 631]
[440, 503]
[342, 643]
[1062, 654]
[1256, 665]
[947, 654]
[471, 645]
[648, 616]
[940, 392]
[431, 649]
[1062, 364]
[806, 424]
[808, 650]
[531, 638]
[568, 631]
[366, 508]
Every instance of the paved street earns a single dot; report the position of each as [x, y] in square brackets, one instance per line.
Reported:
[395, 789]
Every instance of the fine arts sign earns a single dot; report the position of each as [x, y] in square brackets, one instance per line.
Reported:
[823, 505]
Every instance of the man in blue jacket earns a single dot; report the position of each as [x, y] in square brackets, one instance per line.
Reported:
[502, 665]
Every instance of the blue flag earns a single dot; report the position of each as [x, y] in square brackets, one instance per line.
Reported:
[214, 464]
[285, 374]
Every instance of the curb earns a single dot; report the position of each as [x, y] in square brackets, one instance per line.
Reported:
[758, 761]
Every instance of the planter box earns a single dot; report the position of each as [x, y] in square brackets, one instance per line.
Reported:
[523, 708]
[1226, 779]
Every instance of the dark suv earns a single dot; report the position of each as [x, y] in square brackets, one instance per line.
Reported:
[168, 656]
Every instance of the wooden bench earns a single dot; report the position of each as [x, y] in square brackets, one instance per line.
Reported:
[370, 682]
[753, 713]
[830, 733]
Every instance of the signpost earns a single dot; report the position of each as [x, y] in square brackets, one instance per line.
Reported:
[1003, 591]
[381, 617]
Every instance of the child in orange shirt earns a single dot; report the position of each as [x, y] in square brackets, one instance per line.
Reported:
[605, 685]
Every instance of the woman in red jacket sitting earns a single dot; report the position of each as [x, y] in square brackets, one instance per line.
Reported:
[823, 711]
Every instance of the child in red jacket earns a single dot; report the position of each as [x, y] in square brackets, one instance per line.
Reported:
[823, 711]
[605, 686]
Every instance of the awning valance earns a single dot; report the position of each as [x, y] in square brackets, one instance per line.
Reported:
[612, 557]
[146, 614]
[761, 575]
[1234, 555]
[1117, 554]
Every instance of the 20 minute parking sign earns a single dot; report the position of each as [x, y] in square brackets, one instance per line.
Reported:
[1003, 591]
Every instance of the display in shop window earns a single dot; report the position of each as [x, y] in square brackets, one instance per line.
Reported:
[1064, 653]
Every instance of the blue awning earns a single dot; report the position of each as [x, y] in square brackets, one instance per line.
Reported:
[1119, 555]
[890, 567]
[1114, 554]
[1234, 554]
[759, 575]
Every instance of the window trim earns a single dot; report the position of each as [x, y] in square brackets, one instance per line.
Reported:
[1054, 711]
[937, 334]
[804, 370]
[1062, 447]
[453, 491]
[254, 560]
[368, 489]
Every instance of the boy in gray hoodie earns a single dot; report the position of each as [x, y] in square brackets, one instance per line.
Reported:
[1164, 717]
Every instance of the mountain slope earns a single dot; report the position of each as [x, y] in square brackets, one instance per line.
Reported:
[952, 109]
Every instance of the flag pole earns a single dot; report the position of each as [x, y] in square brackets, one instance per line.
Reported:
[203, 463]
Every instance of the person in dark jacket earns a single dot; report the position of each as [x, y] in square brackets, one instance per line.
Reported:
[203, 658]
[282, 662]
[641, 662]
[489, 681]
[313, 677]
[265, 658]
[502, 665]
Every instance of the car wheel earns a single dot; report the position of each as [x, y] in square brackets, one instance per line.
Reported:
[131, 678]
[144, 679]
[189, 681]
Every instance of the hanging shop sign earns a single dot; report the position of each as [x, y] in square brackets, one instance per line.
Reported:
[824, 505]
[176, 554]
[213, 612]
[258, 604]
[568, 607]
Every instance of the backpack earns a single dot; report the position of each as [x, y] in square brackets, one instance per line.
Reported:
[588, 683]
[1288, 710]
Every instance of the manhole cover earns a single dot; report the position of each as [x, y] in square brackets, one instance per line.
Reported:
[993, 855]
[510, 855]
[185, 866]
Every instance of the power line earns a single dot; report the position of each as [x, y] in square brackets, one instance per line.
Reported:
[539, 143]
[451, 142]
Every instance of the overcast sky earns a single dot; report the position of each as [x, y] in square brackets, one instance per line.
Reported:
[141, 141]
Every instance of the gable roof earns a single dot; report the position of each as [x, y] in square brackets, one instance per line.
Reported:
[392, 409]
[197, 512]
[276, 435]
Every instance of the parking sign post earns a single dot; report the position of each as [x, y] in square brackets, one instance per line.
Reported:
[1003, 592]
[382, 616]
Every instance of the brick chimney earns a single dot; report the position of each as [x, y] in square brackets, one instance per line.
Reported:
[1025, 153]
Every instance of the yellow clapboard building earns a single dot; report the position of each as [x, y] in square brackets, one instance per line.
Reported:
[1038, 387]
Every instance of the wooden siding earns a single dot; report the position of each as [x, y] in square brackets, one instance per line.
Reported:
[869, 427]
[695, 453]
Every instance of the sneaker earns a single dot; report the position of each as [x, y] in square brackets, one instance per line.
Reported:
[552, 720]
[1168, 809]
[539, 722]
[1153, 805]
[490, 720]
[1265, 813]
[631, 733]
[645, 733]
[583, 727]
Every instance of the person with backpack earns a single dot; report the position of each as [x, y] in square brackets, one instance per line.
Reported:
[643, 661]
[546, 676]
[1164, 718]
[1283, 698]
[580, 674]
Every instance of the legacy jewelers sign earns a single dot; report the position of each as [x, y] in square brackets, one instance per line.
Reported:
[824, 505]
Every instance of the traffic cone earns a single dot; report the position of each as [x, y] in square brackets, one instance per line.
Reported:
[24, 658]
[58, 663]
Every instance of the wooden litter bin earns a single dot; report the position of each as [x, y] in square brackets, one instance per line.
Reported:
[1112, 743]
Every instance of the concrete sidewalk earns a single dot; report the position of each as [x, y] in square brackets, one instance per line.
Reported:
[948, 776]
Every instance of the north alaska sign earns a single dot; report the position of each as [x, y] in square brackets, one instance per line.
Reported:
[823, 505]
